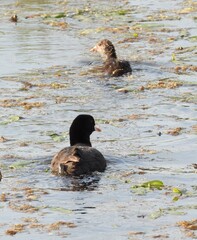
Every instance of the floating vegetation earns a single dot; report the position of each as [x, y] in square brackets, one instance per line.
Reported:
[193, 38]
[169, 84]
[175, 131]
[34, 15]
[23, 208]
[58, 137]
[53, 85]
[16, 228]
[137, 116]
[184, 68]
[187, 10]
[83, 11]
[33, 223]
[135, 38]
[154, 184]
[186, 97]
[98, 12]
[178, 193]
[194, 129]
[121, 29]
[3, 139]
[3, 197]
[161, 17]
[61, 209]
[62, 25]
[147, 26]
[146, 187]
[57, 225]
[189, 227]
[177, 190]
[114, 122]
[171, 210]
[133, 233]
[7, 103]
[121, 11]
[19, 164]
[11, 119]
[54, 15]
[59, 100]
[178, 210]
[148, 151]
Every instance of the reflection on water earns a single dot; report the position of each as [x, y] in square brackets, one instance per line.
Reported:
[88, 183]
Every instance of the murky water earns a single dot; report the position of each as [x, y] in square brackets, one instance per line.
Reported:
[148, 120]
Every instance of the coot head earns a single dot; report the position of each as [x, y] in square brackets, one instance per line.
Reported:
[105, 48]
[81, 129]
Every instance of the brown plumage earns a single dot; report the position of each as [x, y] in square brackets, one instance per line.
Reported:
[14, 18]
[112, 66]
[80, 157]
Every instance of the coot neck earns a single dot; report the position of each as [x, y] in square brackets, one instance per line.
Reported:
[79, 140]
[111, 54]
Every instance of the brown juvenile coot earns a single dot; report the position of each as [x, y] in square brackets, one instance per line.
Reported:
[112, 66]
[80, 157]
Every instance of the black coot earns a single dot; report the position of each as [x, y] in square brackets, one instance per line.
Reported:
[80, 157]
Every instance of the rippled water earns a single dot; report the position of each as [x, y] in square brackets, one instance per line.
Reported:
[136, 138]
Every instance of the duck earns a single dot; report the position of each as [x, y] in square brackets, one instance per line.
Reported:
[80, 157]
[112, 66]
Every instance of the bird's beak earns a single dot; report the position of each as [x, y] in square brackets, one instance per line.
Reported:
[94, 49]
[96, 128]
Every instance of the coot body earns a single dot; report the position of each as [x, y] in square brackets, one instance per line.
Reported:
[80, 158]
[112, 66]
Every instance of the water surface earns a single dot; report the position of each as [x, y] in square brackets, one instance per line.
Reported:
[46, 81]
